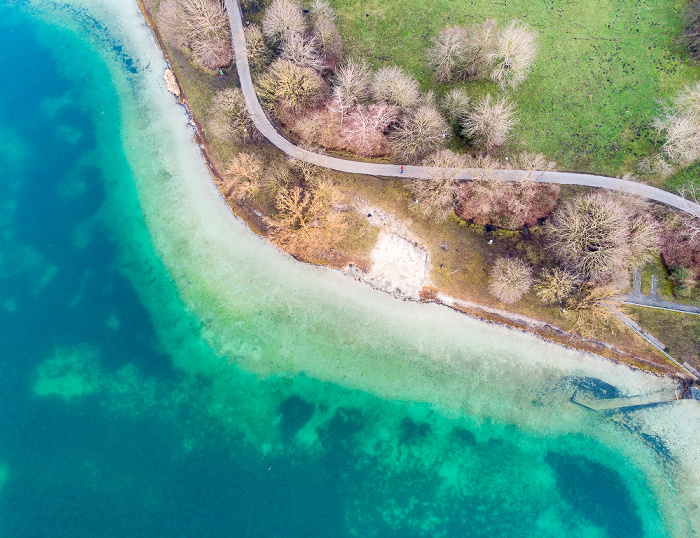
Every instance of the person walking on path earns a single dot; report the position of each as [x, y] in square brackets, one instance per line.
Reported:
[402, 168]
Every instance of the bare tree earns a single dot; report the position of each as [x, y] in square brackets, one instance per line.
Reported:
[291, 88]
[691, 32]
[323, 8]
[435, 197]
[365, 127]
[258, 53]
[680, 124]
[513, 56]
[307, 222]
[511, 279]
[242, 175]
[447, 53]
[555, 285]
[230, 119]
[590, 235]
[302, 51]
[320, 126]
[592, 309]
[200, 28]
[489, 122]
[352, 81]
[480, 44]
[282, 19]
[392, 85]
[456, 104]
[419, 134]
[330, 42]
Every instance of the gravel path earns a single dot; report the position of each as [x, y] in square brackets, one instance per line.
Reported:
[422, 172]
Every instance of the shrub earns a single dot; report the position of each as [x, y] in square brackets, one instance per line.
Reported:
[392, 85]
[680, 247]
[481, 42]
[513, 56]
[419, 134]
[230, 119]
[282, 19]
[489, 122]
[555, 285]
[320, 126]
[511, 279]
[323, 8]
[506, 204]
[435, 196]
[199, 28]
[291, 88]
[691, 32]
[456, 105]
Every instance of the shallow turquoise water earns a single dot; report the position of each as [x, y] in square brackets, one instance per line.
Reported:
[136, 402]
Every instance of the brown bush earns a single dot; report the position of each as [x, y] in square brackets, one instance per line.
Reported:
[680, 248]
[320, 126]
[303, 52]
[511, 279]
[505, 204]
[352, 80]
[447, 54]
[199, 28]
[330, 42]
[691, 32]
[230, 119]
[680, 125]
[419, 134]
[282, 19]
[481, 43]
[291, 88]
[489, 122]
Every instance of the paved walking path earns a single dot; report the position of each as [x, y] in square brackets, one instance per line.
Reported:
[421, 172]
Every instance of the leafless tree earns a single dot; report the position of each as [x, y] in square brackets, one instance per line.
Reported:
[447, 53]
[282, 19]
[590, 235]
[691, 32]
[320, 126]
[511, 279]
[230, 119]
[435, 197]
[364, 129]
[555, 285]
[392, 85]
[258, 53]
[480, 44]
[307, 221]
[680, 124]
[513, 56]
[489, 122]
[323, 8]
[242, 175]
[199, 27]
[290, 87]
[352, 81]
[330, 42]
[456, 104]
[591, 309]
[419, 134]
[302, 51]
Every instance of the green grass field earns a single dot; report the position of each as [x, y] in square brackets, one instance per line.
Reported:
[602, 67]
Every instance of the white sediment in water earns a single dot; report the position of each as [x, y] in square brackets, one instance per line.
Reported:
[271, 315]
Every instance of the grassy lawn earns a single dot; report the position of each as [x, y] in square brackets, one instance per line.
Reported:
[680, 332]
[602, 66]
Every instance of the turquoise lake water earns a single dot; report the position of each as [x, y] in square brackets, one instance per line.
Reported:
[164, 372]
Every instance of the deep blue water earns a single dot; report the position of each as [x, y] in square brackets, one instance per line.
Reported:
[141, 453]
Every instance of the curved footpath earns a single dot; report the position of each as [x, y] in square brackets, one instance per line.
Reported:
[422, 172]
